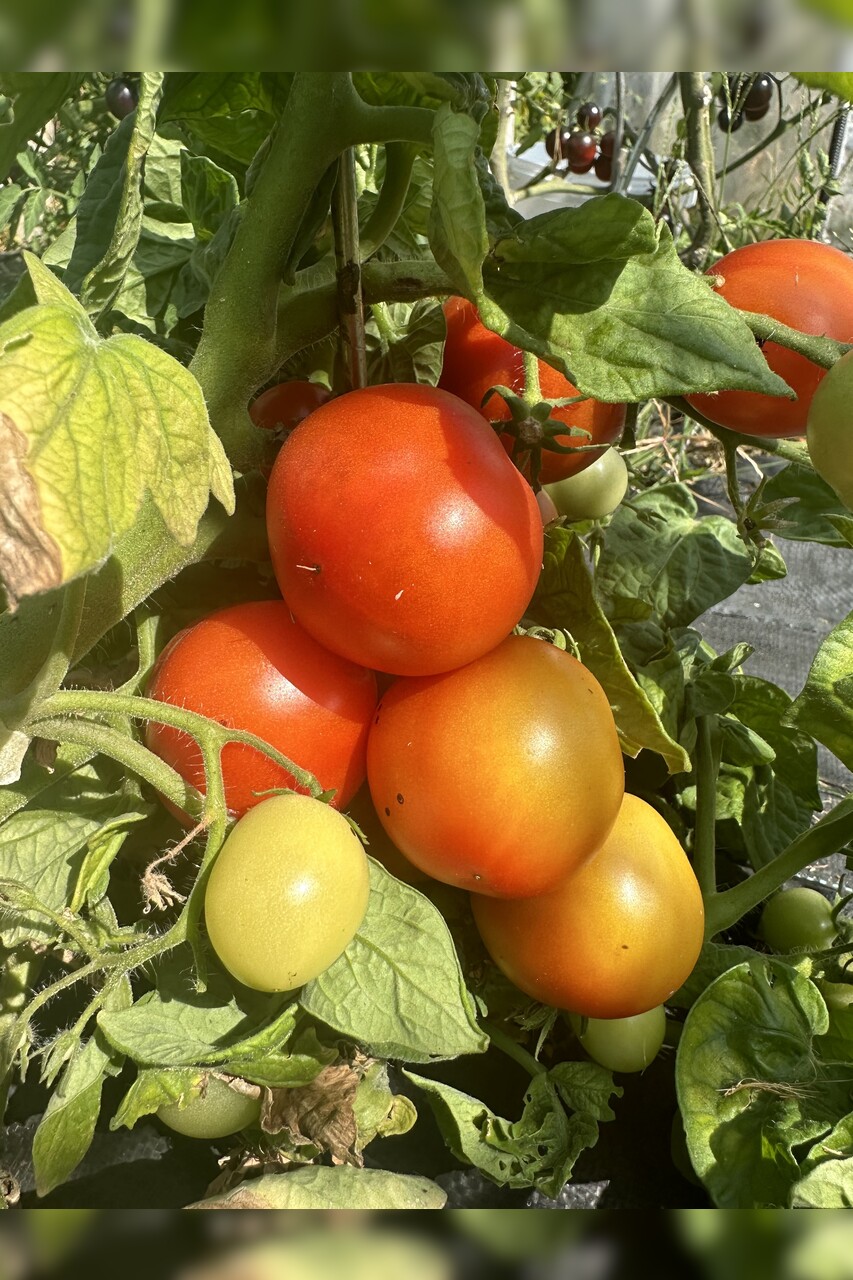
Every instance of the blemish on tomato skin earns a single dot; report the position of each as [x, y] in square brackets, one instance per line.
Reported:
[387, 812]
[399, 799]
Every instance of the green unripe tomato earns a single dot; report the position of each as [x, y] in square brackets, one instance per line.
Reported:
[829, 431]
[797, 920]
[287, 893]
[623, 1044]
[215, 1113]
[594, 492]
[838, 995]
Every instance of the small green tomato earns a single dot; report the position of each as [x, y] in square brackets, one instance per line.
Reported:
[216, 1112]
[623, 1044]
[594, 492]
[797, 920]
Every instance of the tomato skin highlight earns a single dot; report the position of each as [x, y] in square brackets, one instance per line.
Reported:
[501, 776]
[253, 667]
[287, 893]
[804, 284]
[476, 359]
[401, 535]
[614, 938]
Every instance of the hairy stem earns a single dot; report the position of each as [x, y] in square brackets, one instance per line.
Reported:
[532, 388]
[821, 351]
[696, 98]
[831, 833]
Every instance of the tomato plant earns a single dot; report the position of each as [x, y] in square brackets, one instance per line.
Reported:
[798, 919]
[806, 285]
[254, 668]
[594, 492]
[424, 553]
[475, 360]
[286, 894]
[623, 1044]
[615, 937]
[511, 808]
[216, 1111]
[188, 261]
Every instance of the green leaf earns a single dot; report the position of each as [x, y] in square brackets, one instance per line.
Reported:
[153, 1089]
[715, 959]
[209, 193]
[67, 399]
[9, 197]
[109, 216]
[811, 518]
[828, 1186]
[824, 706]
[586, 1087]
[538, 1150]
[177, 1026]
[37, 95]
[379, 1113]
[405, 343]
[748, 1082]
[839, 83]
[565, 598]
[457, 225]
[398, 987]
[657, 551]
[45, 848]
[318, 1187]
[621, 328]
[232, 112]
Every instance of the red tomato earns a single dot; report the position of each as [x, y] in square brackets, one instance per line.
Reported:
[501, 776]
[613, 939]
[253, 667]
[287, 404]
[804, 284]
[401, 535]
[476, 359]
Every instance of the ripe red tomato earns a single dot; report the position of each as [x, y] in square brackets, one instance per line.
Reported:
[804, 284]
[401, 535]
[614, 938]
[502, 776]
[253, 667]
[476, 359]
[287, 404]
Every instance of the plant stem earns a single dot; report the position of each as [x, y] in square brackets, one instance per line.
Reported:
[56, 664]
[831, 833]
[821, 351]
[790, 450]
[350, 304]
[623, 180]
[399, 161]
[497, 160]
[513, 1049]
[532, 388]
[695, 96]
[704, 831]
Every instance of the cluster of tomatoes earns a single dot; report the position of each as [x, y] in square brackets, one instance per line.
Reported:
[585, 147]
[744, 96]
[406, 544]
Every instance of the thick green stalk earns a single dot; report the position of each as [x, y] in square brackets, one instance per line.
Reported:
[696, 99]
[831, 833]
[350, 302]
[399, 161]
[501, 1040]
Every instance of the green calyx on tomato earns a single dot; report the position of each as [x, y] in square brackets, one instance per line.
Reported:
[798, 919]
[487, 372]
[829, 431]
[623, 1044]
[593, 493]
[216, 1112]
[287, 893]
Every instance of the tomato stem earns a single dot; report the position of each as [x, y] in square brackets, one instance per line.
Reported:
[399, 162]
[790, 450]
[696, 99]
[532, 388]
[821, 351]
[349, 295]
[501, 1040]
[704, 831]
[826, 837]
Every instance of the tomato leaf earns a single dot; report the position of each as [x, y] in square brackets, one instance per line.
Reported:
[622, 328]
[824, 706]
[343, 1187]
[177, 1026]
[37, 95]
[538, 1150]
[380, 1113]
[812, 517]
[154, 1088]
[398, 987]
[457, 224]
[838, 82]
[565, 598]
[109, 216]
[828, 1186]
[66, 398]
[407, 345]
[232, 111]
[751, 1085]
[656, 550]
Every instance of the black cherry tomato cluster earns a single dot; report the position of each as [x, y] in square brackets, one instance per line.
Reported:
[744, 97]
[584, 147]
